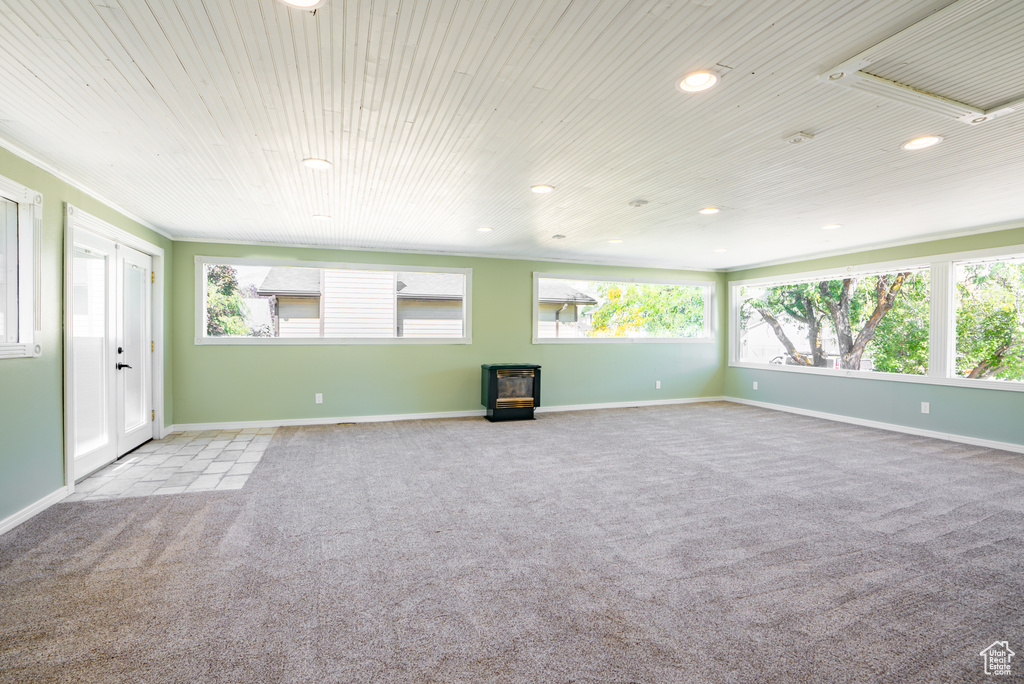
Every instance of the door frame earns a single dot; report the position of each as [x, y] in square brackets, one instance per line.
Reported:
[77, 219]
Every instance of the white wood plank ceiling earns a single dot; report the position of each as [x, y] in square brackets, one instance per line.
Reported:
[438, 116]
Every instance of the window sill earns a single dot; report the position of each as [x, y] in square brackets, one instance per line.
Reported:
[19, 351]
[287, 341]
[623, 340]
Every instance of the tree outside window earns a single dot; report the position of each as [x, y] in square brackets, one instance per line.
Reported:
[873, 322]
[990, 320]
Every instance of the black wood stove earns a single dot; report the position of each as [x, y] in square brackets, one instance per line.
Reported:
[510, 391]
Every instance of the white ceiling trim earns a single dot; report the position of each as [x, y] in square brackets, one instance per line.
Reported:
[851, 72]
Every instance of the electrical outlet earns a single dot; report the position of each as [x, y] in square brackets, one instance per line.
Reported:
[755, 384]
[657, 384]
[926, 407]
[319, 398]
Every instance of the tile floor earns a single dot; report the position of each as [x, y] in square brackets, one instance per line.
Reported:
[181, 462]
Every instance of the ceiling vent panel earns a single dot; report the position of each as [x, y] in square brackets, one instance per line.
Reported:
[963, 61]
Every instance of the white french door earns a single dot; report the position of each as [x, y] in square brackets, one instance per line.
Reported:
[111, 356]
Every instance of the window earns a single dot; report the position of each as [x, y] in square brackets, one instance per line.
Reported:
[251, 301]
[574, 309]
[20, 234]
[956, 320]
[867, 322]
[990, 319]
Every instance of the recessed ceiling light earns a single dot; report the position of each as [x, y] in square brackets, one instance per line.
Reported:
[798, 138]
[614, 241]
[485, 229]
[305, 4]
[832, 226]
[710, 210]
[697, 81]
[322, 217]
[542, 189]
[922, 142]
[317, 164]
[720, 249]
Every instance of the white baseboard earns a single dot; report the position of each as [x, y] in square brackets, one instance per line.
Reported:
[892, 427]
[626, 404]
[12, 521]
[388, 417]
[237, 425]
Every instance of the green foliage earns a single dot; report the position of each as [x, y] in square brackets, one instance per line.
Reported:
[658, 310]
[900, 344]
[792, 300]
[807, 315]
[990, 321]
[225, 310]
[222, 278]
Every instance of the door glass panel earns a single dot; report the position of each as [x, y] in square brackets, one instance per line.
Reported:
[89, 329]
[134, 346]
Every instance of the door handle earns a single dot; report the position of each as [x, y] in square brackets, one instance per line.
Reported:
[122, 365]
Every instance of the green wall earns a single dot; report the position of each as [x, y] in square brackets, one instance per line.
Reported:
[31, 390]
[980, 413]
[251, 383]
[217, 383]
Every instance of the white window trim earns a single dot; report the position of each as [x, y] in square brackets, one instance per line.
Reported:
[710, 322]
[30, 235]
[200, 303]
[942, 329]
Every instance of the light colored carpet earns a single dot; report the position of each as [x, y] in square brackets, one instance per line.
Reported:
[696, 543]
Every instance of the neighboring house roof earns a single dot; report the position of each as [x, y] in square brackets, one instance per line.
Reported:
[560, 292]
[291, 281]
[258, 313]
[305, 282]
[429, 285]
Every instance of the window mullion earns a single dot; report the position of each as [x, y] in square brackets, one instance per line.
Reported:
[941, 337]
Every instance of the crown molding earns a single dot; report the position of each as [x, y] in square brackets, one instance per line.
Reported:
[51, 169]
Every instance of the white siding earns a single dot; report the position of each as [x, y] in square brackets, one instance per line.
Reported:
[420, 318]
[359, 303]
[547, 329]
[298, 316]
[566, 321]
[431, 327]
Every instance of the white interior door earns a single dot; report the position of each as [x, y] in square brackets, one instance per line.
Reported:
[134, 388]
[111, 350]
[93, 336]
